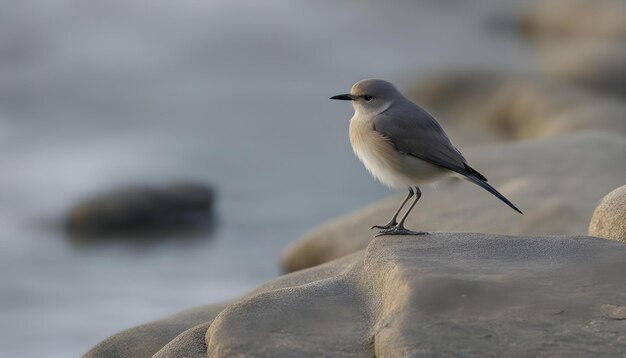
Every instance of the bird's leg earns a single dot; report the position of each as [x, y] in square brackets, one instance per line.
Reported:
[392, 223]
[399, 229]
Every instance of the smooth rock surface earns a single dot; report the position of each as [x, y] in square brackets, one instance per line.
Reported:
[609, 218]
[445, 294]
[557, 183]
[188, 344]
[147, 339]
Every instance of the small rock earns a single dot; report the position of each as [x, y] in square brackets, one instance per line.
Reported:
[142, 209]
[614, 312]
[609, 218]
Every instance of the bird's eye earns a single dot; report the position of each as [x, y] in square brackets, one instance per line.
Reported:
[367, 97]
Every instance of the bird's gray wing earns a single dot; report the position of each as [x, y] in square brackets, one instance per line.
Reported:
[415, 132]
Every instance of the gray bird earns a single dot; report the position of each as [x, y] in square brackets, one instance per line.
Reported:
[402, 146]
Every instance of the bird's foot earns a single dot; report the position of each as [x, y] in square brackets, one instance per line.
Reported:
[387, 226]
[400, 230]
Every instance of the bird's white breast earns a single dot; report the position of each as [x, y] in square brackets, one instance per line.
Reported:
[381, 159]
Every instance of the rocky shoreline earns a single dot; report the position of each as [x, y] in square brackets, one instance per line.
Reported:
[549, 283]
[441, 294]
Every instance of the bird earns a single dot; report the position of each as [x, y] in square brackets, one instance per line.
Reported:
[402, 146]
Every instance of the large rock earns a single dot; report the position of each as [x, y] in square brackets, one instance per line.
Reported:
[557, 182]
[609, 218]
[470, 295]
[143, 209]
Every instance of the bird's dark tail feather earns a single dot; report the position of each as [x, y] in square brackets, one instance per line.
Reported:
[476, 180]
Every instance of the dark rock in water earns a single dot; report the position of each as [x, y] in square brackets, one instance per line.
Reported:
[143, 210]
[438, 295]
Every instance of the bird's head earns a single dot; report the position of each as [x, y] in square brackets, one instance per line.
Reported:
[371, 95]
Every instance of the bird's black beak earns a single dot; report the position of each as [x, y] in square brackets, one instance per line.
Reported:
[343, 97]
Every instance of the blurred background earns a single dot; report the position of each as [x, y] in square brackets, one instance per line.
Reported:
[215, 112]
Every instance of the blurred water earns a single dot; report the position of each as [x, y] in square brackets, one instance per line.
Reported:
[94, 94]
